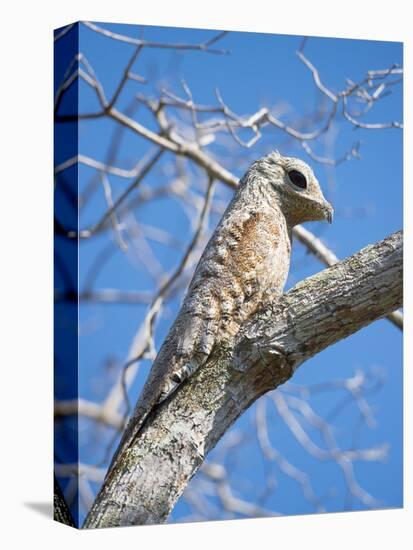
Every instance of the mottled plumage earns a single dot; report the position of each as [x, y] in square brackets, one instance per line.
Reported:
[244, 265]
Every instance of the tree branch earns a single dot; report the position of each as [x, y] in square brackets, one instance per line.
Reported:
[327, 256]
[144, 486]
[83, 407]
[61, 510]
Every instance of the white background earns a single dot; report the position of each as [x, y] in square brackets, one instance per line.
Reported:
[26, 270]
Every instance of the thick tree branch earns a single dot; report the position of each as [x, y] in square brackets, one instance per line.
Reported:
[327, 256]
[316, 313]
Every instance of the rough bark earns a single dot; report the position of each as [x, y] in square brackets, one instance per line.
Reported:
[61, 512]
[321, 310]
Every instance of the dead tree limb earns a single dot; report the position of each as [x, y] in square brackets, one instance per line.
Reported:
[319, 311]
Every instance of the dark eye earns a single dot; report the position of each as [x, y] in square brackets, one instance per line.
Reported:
[298, 179]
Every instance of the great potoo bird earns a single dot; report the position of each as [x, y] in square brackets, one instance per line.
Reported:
[244, 266]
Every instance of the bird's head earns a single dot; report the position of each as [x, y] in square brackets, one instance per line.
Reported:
[292, 184]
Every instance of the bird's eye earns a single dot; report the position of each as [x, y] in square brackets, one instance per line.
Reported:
[297, 179]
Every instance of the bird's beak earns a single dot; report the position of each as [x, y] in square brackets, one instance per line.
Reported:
[329, 212]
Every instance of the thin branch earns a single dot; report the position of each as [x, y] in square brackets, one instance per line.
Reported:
[316, 75]
[97, 165]
[83, 407]
[203, 46]
[86, 233]
[64, 31]
[125, 76]
[352, 153]
[285, 466]
[117, 229]
[368, 125]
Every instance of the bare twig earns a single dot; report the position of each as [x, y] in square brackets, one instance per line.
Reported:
[203, 46]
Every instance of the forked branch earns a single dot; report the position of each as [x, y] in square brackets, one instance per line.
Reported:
[145, 484]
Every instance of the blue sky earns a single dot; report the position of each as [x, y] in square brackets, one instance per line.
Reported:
[260, 70]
